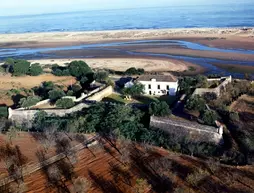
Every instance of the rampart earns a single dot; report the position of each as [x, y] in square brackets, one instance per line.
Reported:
[217, 90]
[99, 95]
[194, 131]
[73, 98]
[25, 116]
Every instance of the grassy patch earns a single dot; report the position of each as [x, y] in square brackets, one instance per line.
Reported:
[168, 99]
[145, 99]
[149, 99]
[115, 98]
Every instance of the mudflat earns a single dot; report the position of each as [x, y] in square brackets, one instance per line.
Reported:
[166, 52]
[219, 37]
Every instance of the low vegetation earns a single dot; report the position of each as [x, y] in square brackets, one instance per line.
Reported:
[134, 71]
[159, 108]
[22, 67]
[136, 90]
[3, 111]
[128, 123]
[35, 69]
[239, 126]
[188, 84]
[65, 103]
[55, 94]
[29, 101]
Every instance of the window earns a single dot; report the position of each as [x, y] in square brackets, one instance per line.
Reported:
[149, 86]
[150, 92]
[159, 86]
[167, 87]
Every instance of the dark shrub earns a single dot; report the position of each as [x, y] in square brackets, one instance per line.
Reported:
[159, 108]
[79, 68]
[35, 70]
[209, 117]
[20, 67]
[209, 96]
[56, 94]
[65, 103]
[29, 101]
[3, 111]
[134, 71]
[195, 103]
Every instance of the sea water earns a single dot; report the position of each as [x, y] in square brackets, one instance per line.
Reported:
[235, 15]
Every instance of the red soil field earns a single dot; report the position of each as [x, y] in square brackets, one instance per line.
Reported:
[109, 171]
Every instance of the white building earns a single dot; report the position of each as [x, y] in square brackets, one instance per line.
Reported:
[159, 84]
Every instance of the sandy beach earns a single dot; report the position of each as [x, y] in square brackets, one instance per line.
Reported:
[122, 64]
[222, 37]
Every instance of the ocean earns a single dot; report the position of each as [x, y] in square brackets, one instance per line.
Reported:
[235, 15]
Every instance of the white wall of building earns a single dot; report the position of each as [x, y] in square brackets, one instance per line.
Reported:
[160, 88]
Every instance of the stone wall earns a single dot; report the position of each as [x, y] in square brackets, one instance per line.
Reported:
[98, 96]
[74, 99]
[194, 131]
[21, 116]
[217, 90]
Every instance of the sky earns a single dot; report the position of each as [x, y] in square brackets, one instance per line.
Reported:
[27, 7]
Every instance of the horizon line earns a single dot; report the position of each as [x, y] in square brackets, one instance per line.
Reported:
[110, 9]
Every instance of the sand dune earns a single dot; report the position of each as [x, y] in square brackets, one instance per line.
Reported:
[90, 36]
[121, 64]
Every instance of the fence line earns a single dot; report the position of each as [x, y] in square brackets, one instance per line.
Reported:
[35, 167]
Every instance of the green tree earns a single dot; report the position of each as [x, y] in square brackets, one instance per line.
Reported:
[56, 94]
[39, 121]
[110, 82]
[122, 121]
[196, 102]
[3, 111]
[70, 93]
[136, 90]
[159, 108]
[201, 81]
[9, 62]
[44, 89]
[101, 76]
[209, 117]
[134, 71]
[93, 117]
[29, 101]
[65, 103]
[186, 83]
[60, 70]
[20, 67]
[35, 69]
[119, 120]
[79, 68]
[76, 88]
[210, 96]
[48, 85]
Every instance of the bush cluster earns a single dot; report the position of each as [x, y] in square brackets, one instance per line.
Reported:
[3, 111]
[134, 71]
[65, 103]
[22, 67]
[159, 108]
